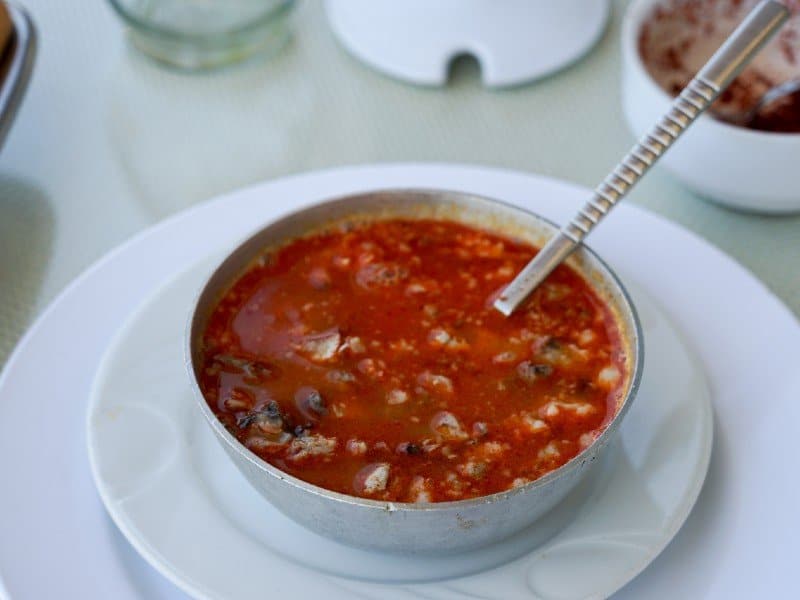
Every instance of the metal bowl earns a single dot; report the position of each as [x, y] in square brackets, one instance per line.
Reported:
[406, 527]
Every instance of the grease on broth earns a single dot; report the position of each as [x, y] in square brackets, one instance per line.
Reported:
[367, 359]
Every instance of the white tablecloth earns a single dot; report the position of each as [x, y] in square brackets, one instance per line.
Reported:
[108, 143]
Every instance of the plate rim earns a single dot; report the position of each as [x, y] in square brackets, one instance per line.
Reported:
[191, 586]
[357, 169]
[478, 178]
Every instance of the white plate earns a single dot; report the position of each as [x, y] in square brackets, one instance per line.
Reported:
[57, 541]
[178, 498]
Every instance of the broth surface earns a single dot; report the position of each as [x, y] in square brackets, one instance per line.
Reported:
[367, 359]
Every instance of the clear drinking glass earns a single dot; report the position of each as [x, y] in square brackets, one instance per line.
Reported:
[204, 34]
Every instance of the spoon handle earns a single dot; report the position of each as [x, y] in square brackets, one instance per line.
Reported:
[740, 47]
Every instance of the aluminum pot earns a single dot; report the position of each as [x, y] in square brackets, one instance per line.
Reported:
[440, 527]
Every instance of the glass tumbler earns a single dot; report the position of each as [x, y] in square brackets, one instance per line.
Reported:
[205, 34]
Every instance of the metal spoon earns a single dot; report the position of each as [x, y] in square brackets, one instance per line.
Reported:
[16, 64]
[779, 92]
[740, 47]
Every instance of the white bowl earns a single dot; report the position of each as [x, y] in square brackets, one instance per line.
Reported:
[742, 168]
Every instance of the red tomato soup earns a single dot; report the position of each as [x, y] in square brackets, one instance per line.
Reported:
[367, 359]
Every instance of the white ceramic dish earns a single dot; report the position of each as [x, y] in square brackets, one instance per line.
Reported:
[180, 501]
[738, 541]
[740, 168]
[515, 42]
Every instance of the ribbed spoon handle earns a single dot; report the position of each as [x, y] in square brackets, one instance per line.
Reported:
[740, 47]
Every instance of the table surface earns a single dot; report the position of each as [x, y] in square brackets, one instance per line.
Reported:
[108, 143]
